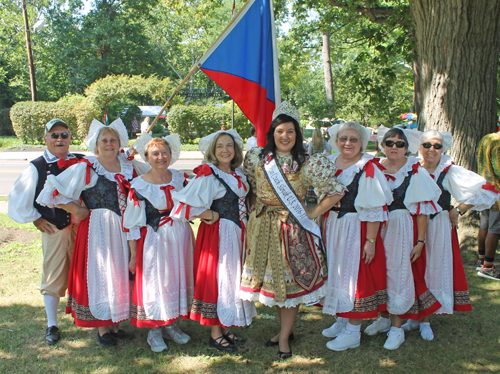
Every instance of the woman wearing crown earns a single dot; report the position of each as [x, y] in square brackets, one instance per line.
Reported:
[98, 286]
[285, 266]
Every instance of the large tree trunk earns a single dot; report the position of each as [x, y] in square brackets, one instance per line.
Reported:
[327, 67]
[458, 44]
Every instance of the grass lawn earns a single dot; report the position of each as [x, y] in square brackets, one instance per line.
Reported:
[464, 342]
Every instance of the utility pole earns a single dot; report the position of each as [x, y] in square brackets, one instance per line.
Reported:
[30, 53]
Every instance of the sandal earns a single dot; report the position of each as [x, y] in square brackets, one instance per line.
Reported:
[219, 344]
[233, 339]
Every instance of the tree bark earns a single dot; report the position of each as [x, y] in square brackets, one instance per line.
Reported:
[327, 67]
[458, 44]
[31, 64]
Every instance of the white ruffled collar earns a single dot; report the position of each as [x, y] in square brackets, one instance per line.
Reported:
[347, 175]
[444, 162]
[127, 169]
[401, 174]
[153, 192]
[230, 180]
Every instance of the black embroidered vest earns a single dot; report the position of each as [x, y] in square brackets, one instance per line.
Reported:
[153, 215]
[399, 194]
[227, 206]
[347, 201]
[58, 217]
[445, 198]
[104, 195]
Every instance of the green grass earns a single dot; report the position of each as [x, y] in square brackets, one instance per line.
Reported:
[464, 342]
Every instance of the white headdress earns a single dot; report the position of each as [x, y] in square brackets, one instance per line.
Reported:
[334, 131]
[173, 141]
[286, 108]
[413, 137]
[95, 129]
[446, 135]
[205, 142]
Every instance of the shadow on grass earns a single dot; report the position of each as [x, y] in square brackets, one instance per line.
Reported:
[465, 342]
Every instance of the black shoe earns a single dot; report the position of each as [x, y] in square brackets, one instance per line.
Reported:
[120, 334]
[52, 335]
[270, 343]
[233, 339]
[285, 355]
[218, 343]
[106, 340]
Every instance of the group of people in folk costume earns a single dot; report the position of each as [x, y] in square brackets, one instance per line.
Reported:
[381, 240]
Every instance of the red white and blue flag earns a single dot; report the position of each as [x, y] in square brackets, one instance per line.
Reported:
[244, 63]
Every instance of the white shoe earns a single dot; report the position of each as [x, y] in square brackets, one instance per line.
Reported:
[380, 325]
[173, 332]
[426, 331]
[345, 340]
[155, 340]
[334, 330]
[410, 325]
[395, 337]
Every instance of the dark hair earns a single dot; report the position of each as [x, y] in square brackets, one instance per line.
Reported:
[298, 152]
[395, 132]
[252, 131]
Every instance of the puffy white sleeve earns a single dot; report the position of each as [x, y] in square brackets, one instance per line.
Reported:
[374, 194]
[467, 188]
[141, 168]
[134, 217]
[69, 185]
[196, 197]
[423, 194]
[22, 197]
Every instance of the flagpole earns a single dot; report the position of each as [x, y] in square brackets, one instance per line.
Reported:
[195, 67]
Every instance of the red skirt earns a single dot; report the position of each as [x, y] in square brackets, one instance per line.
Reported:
[206, 259]
[78, 298]
[461, 299]
[371, 287]
[425, 302]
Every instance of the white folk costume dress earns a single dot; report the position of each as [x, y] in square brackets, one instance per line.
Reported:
[444, 274]
[285, 265]
[414, 193]
[356, 290]
[163, 288]
[219, 248]
[98, 286]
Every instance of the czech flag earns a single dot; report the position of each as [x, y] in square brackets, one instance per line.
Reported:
[244, 63]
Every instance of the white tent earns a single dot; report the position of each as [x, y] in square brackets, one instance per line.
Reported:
[151, 111]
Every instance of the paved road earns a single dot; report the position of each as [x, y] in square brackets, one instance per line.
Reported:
[11, 169]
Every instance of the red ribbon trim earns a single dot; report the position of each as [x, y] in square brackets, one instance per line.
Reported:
[168, 196]
[87, 172]
[489, 187]
[63, 164]
[240, 183]
[202, 170]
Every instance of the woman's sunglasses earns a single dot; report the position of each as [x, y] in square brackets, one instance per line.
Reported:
[435, 145]
[399, 143]
[56, 135]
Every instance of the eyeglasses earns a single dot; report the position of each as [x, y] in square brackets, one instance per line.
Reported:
[435, 145]
[345, 139]
[56, 135]
[399, 143]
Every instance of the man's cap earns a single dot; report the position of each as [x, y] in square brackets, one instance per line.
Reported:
[55, 122]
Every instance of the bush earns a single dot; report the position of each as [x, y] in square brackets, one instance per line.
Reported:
[192, 121]
[6, 128]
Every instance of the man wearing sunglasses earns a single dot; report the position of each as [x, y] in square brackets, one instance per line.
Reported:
[57, 227]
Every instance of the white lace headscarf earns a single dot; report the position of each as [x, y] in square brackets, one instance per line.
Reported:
[444, 136]
[173, 140]
[204, 143]
[413, 137]
[363, 132]
[96, 128]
